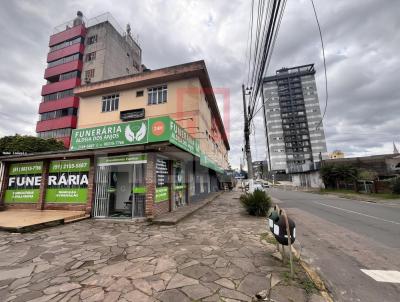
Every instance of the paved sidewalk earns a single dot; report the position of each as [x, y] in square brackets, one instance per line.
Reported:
[214, 255]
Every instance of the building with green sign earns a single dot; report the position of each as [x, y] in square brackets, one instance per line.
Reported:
[135, 158]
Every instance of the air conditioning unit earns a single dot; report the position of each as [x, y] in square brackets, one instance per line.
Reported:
[87, 80]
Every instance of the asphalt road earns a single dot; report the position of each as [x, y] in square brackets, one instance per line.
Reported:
[339, 237]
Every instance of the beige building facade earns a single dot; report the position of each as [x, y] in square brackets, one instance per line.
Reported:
[185, 98]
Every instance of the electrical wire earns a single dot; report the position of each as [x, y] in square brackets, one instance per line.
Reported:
[250, 34]
[323, 55]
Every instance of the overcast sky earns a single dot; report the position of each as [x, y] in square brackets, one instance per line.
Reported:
[362, 40]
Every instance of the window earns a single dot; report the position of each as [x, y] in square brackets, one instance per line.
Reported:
[157, 95]
[58, 95]
[110, 103]
[69, 75]
[58, 113]
[90, 56]
[66, 44]
[64, 60]
[139, 93]
[63, 132]
[89, 74]
[92, 39]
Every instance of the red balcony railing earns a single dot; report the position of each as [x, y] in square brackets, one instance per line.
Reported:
[63, 68]
[60, 86]
[68, 102]
[57, 123]
[67, 34]
[69, 50]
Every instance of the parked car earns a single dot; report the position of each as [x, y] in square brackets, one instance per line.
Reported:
[258, 186]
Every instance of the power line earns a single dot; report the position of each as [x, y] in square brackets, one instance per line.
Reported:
[250, 34]
[323, 55]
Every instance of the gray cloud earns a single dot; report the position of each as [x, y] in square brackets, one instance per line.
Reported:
[361, 37]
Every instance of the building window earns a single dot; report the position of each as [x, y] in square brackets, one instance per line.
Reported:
[63, 132]
[66, 44]
[89, 74]
[64, 60]
[92, 39]
[90, 56]
[139, 93]
[58, 95]
[58, 113]
[110, 103]
[69, 75]
[157, 95]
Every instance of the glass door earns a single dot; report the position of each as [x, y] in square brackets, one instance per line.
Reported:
[138, 196]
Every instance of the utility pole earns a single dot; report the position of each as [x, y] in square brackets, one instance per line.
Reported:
[266, 127]
[247, 142]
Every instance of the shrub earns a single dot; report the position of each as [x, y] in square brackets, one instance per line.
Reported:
[396, 186]
[256, 203]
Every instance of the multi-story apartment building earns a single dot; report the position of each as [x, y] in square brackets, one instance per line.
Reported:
[296, 138]
[82, 51]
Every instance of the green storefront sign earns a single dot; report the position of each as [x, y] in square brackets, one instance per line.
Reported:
[162, 194]
[116, 135]
[159, 129]
[68, 181]
[122, 159]
[24, 183]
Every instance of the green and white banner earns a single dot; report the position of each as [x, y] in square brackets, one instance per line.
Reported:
[158, 129]
[68, 181]
[116, 135]
[162, 194]
[24, 182]
[122, 160]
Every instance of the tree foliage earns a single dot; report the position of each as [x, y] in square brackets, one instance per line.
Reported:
[28, 144]
[396, 186]
[332, 174]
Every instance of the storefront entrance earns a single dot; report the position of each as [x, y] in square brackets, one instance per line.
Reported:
[120, 187]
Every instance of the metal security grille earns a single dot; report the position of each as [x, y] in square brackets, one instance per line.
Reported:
[101, 202]
[138, 209]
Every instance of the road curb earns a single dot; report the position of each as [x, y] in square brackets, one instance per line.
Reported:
[314, 276]
[311, 272]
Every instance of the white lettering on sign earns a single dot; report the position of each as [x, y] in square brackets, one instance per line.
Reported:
[72, 179]
[22, 181]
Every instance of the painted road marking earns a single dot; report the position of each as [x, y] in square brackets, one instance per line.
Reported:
[354, 212]
[383, 276]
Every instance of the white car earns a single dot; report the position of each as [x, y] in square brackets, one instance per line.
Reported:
[259, 187]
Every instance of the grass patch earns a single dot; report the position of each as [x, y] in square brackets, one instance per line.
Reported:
[308, 286]
[300, 279]
[268, 238]
[351, 193]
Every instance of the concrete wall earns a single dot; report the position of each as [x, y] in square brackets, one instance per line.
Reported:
[116, 55]
[308, 180]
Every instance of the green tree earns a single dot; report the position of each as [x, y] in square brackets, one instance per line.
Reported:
[333, 174]
[28, 144]
[367, 175]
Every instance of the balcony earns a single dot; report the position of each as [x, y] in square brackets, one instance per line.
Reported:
[68, 102]
[66, 51]
[63, 68]
[67, 34]
[58, 123]
[60, 86]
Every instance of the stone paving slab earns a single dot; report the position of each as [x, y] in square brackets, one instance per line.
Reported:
[214, 255]
[174, 217]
